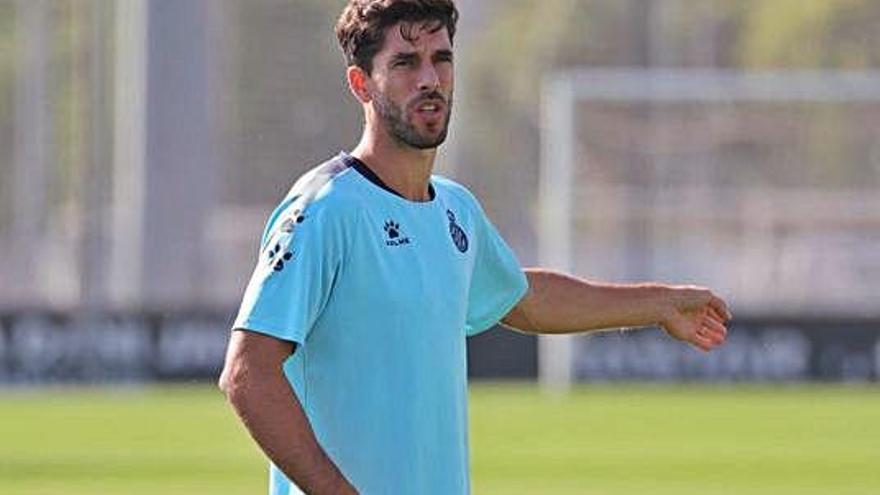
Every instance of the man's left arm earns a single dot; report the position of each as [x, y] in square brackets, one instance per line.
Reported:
[557, 303]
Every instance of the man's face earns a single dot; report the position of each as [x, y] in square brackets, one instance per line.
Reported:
[412, 83]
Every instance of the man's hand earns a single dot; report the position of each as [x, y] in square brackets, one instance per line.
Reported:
[696, 316]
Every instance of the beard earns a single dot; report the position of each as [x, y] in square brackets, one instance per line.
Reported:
[403, 130]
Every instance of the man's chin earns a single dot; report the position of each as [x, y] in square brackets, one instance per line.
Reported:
[429, 144]
[424, 141]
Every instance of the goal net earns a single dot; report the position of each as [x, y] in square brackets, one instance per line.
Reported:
[762, 185]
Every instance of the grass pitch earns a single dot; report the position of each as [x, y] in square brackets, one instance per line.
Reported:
[613, 439]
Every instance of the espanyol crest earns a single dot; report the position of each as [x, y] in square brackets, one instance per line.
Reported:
[458, 236]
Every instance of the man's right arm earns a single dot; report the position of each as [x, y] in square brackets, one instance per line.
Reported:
[254, 383]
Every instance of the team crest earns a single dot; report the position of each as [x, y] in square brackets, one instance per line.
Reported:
[458, 236]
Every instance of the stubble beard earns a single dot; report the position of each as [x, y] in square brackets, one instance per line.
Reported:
[403, 131]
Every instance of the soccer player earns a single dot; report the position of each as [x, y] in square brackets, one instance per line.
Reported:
[347, 359]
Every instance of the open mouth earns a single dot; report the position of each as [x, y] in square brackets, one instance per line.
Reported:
[431, 107]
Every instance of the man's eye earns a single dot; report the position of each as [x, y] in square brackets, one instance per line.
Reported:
[402, 63]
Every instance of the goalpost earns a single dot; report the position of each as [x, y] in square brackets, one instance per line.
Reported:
[562, 92]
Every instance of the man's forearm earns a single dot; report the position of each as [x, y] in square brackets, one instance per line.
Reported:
[560, 303]
[275, 419]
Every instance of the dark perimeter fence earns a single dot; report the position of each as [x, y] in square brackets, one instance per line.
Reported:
[44, 348]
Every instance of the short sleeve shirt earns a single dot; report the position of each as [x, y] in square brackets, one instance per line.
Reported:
[379, 293]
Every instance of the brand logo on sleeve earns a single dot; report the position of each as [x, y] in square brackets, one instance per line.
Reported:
[280, 253]
[393, 234]
[291, 222]
[458, 236]
[277, 257]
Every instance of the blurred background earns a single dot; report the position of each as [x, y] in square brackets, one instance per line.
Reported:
[143, 144]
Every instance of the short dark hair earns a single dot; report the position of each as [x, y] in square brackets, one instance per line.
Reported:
[361, 26]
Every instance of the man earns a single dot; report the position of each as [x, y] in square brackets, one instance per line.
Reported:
[347, 359]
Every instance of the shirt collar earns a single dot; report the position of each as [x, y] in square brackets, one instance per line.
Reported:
[363, 169]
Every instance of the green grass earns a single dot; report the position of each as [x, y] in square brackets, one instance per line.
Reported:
[598, 440]
[678, 440]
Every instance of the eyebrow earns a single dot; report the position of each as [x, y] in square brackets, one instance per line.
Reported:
[409, 56]
[445, 54]
[403, 57]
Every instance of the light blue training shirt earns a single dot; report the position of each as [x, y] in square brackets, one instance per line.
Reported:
[379, 293]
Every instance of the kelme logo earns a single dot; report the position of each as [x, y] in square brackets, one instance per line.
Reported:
[393, 234]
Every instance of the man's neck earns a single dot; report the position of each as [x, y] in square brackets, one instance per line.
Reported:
[404, 169]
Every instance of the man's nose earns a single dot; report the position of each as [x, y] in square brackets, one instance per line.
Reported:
[428, 78]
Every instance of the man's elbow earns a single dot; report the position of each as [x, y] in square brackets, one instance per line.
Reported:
[253, 363]
[233, 383]
[517, 319]
[223, 382]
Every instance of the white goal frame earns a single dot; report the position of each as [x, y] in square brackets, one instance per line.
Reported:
[562, 91]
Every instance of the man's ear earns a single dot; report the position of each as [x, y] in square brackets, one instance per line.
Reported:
[358, 81]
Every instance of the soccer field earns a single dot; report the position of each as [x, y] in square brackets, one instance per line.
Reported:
[599, 440]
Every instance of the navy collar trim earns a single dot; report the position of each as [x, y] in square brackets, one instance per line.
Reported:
[371, 176]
